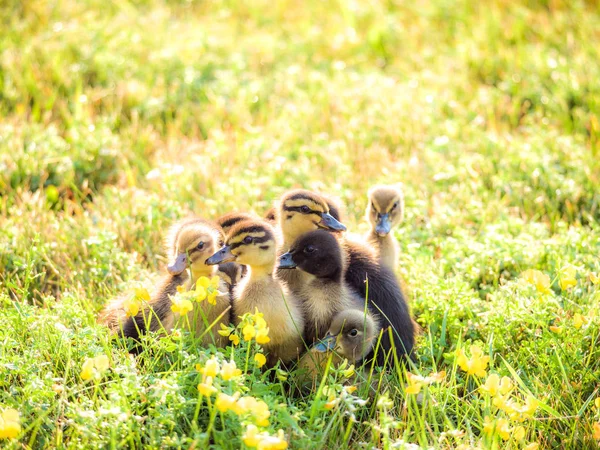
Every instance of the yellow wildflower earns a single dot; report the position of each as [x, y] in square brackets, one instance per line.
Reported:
[260, 359]
[262, 336]
[94, 366]
[579, 320]
[349, 371]
[251, 437]
[540, 280]
[597, 403]
[142, 294]
[131, 306]
[566, 277]
[259, 321]
[519, 433]
[225, 330]
[101, 363]
[597, 430]
[415, 383]
[532, 446]
[493, 385]
[10, 424]
[249, 332]
[210, 369]
[268, 442]
[235, 339]
[211, 298]
[476, 365]
[257, 408]
[87, 369]
[229, 370]
[500, 426]
[206, 388]
[181, 306]
[595, 279]
[226, 402]
[555, 329]
[181, 289]
[350, 389]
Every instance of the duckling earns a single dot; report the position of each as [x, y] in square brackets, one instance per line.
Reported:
[351, 335]
[271, 216]
[324, 292]
[188, 244]
[303, 211]
[384, 211]
[253, 244]
[232, 272]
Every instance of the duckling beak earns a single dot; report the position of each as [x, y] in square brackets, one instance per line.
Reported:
[329, 222]
[286, 261]
[178, 265]
[222, 256]
[384, 225]
[326, 344]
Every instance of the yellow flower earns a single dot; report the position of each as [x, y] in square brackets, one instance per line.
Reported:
[566, 277]
[597, 403]
[350, 389]
[476, 365]
[531, 405]
[235, 339]
[519, 433]
[251, 437]
[262, 336]
[349, 371]
[259, 321]
[87, 369]
[493, 385]
[257, 408]
[181, 306]
[10, 424]
[212, 297]
[94, 366]
[532, 446]
[415, 383]
[206, 388]
[555, 329]
[268, 442]
[131, 306]
[210, 369]
[595, 279]
[200, 293]
[229, 370]
[142, 294]
[500, 426]
[488, 425]
[540, 280]
[226, 402]
[597, 430]
[181, 289]
[249, 332]
[260, 359]
[225, 331]
[579, 320]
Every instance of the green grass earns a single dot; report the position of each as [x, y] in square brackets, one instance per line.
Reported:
[117, 118]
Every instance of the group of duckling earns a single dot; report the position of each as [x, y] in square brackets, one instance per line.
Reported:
[317, 289]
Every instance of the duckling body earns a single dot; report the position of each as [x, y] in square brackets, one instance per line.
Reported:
[189, 243]
[324, 292]
[253, 244]
[385, 210]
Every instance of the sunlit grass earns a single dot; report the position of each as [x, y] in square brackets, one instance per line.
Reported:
[118, 118]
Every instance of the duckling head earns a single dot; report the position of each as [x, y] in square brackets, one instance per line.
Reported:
[189, 244]
[351, 335]
[317, 253]
[250, 242]
[301, 211]
[230, 219]
[385, 208]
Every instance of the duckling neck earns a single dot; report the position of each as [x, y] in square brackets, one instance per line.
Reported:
[258, 272]
[385, 240]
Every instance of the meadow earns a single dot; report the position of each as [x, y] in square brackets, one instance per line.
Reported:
[119, 117]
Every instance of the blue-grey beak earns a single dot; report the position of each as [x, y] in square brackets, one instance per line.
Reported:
[222, 256]
[178, 265]
[384, 225]
[329, 222]
[286, 261]
[326, 344]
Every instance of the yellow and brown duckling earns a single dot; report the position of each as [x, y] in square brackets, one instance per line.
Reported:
[385, 210]
[253, 243]
[232, 272]
[324, 292]
[351, 335]
[189, 243]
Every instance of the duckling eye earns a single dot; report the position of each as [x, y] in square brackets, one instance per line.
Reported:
[200, 245]
[353, 332]
[309, 249]
[395, 205]
[305, 209]
[248, 240]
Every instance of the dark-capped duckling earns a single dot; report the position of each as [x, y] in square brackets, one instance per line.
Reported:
[253, 244]
[385, 210]
[324, 292]
[232, 272]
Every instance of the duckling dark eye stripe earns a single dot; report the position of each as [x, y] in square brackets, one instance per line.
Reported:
[299, 209]
[256, 240]
[253, 229]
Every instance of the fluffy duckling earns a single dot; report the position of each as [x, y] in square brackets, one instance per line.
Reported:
[385, 210]
[351, 335]
[324, 292]
[188, 244]
[232, 272]
[253, 244]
